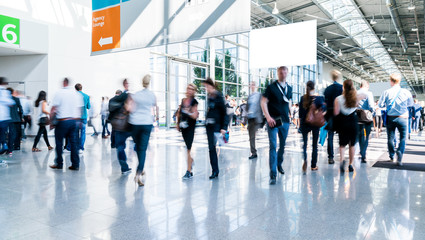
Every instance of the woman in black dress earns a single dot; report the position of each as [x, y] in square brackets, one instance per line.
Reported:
[186, 123]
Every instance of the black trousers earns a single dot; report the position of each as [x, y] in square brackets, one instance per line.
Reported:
[212, 148]
[14, 136]
[41, 131]
[253, 126]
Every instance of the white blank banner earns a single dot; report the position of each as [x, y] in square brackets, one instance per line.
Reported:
[286, 45]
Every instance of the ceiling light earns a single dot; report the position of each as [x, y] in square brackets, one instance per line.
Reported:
[326, 61]
[354, 61]
[415, 29]
[275, 10]
[383, 38]
[373, 22]
[340, 53]
[389, 49]
[418, 53]
[411, 7]
[416, 44]
[396, 60]
[326, 42]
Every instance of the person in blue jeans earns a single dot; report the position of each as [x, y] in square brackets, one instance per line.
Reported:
[396, 100]
[306, 102]
[365, 128]
[416, 112]
[141, 105]
[275, 105]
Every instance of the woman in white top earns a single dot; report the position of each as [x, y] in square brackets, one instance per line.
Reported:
[346, 122]
[141, 105]
[104, 112]
[43, 121]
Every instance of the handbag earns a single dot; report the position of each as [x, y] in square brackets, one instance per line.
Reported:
[364, 116]
[44, 121]
[315, 117]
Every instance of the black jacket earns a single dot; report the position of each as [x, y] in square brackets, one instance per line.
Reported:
[217, 111]
[331, 92]
[16, 111]
[116, 104]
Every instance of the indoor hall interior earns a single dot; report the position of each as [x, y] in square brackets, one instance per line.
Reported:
[240, 46]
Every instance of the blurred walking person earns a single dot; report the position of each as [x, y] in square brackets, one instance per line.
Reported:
[67, 108]
[346, 123]
[43, 121]
[83, 123]
[15, 131]
[27, 111]
[104, 112]
[417, 108]
[6, 102]
[255, 117]
[186, 123]
[396, 100]
[310, 102]
[275, 104]
[367, 106]
[331, 93]
[217, 122]
[141, 105]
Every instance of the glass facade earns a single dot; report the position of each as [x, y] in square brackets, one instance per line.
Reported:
[227, 59]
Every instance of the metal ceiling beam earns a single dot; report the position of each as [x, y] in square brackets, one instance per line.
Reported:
[395, 18]
[297, 8]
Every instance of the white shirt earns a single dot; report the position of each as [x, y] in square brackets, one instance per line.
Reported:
[26, 106]
[144, 101]
[40, 109]
[5, 101]
[342, 108]
[68, 103]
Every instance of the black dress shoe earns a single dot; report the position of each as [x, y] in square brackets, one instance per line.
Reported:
[73, 168]
[399, 164]
[364, 161]
[272, 181]
[280, 170]
[214, 175]
[55, 166]
[253, 157]
[331, 161]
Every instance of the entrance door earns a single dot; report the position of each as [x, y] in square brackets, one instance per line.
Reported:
[181, 73]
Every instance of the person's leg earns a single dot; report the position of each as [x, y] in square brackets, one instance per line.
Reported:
[331, 145]
[103, 126]
[304, 132]
[3, 129]
[73, 138]
[38, 136]
[391, 136]
[83, 127]
[142, 147]
[113, 140]
[368, 129]
[252, 128]
[361, 137]
[18, 137]
[351, 153]
[315, 133]
[283, 134]
[402, 129]
[120, 138]
[272, 132]
[212, 149]
[45, 136]
[59, 136]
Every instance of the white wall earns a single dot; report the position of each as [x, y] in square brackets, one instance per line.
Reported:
[69, 40]
[326, 74]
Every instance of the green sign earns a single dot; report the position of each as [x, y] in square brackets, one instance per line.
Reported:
[9, 30]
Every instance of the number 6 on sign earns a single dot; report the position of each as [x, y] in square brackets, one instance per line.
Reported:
[5, 33]
[10, 28]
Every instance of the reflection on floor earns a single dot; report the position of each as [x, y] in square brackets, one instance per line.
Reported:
[97, 202]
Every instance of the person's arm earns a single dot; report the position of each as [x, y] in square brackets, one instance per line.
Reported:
[129, 104]
[371, 101]
[224, 118]
[195, 113]
[156, 109]
[336, 107]
[381, 102]
[44, 108]
[270, 120]
[88, 103]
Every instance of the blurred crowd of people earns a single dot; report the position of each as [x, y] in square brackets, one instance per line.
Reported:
[342, 109]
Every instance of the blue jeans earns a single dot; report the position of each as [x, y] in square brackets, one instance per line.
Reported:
[3, 129]
[105, 126]
[401, 124]
[141, 135]
[415, 124]
[276, 159]
[315, 132]
[121, 138]
[67, 129]
[363, 137]
[82, 133]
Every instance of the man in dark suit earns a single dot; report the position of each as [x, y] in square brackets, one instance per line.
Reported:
[332, 92]
[275, 106]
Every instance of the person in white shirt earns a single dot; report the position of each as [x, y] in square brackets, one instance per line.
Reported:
[5, 102]
[27, 111]
[67, 107]
[104, 112]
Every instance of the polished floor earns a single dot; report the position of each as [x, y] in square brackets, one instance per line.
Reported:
[98, 202]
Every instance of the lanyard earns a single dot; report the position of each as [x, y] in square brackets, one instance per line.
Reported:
[283, 91]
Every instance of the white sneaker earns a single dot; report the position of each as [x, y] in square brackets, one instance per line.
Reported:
[3, 164]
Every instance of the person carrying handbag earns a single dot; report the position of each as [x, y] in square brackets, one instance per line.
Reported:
[365, 118]
[311, 113]
[43, 121]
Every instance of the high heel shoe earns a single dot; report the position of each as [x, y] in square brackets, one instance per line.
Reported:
[138, 181]
[304, 167]
[214, 175]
